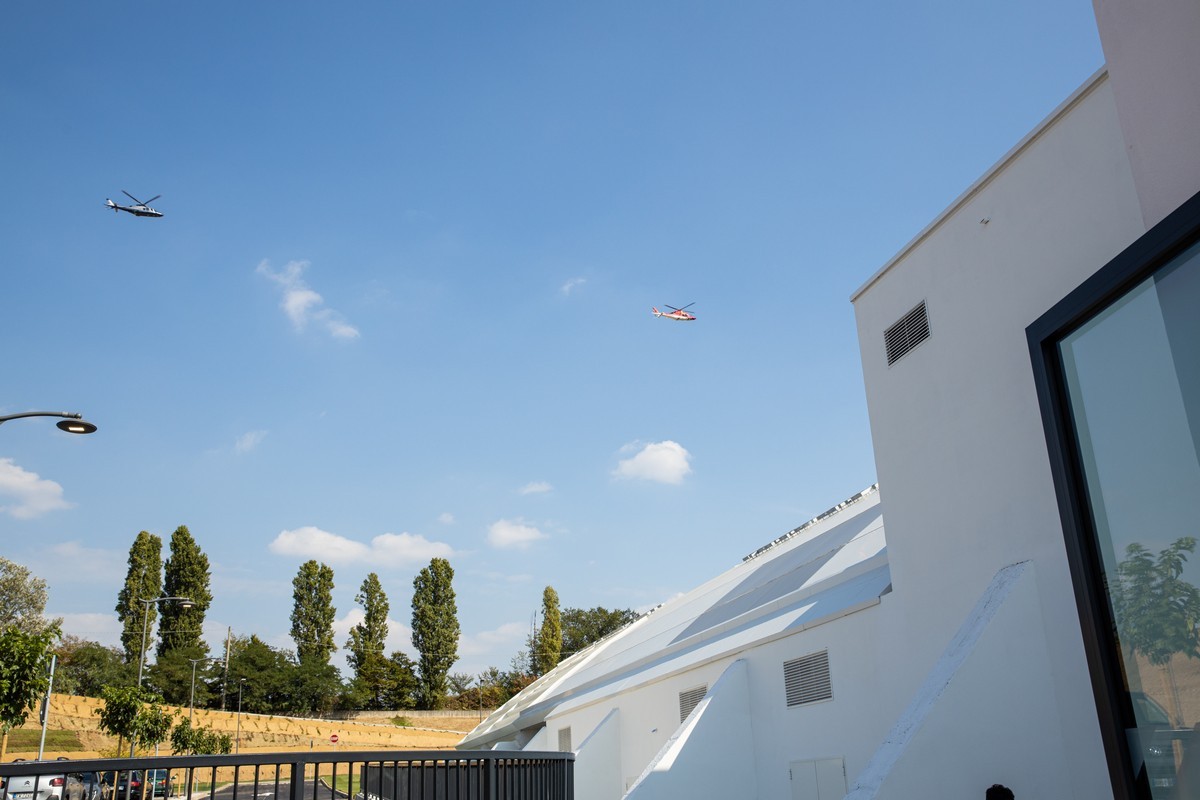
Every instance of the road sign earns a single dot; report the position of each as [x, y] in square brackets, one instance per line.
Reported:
[333, 738]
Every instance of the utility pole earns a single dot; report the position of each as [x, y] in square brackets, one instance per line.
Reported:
[225, 680]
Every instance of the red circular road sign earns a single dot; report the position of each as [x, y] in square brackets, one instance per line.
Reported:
[333, 738]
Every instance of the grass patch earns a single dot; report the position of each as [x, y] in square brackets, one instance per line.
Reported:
[402, 722]
[25, 740]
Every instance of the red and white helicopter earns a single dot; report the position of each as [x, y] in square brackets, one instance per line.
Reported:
[140, 210]
[678, 314]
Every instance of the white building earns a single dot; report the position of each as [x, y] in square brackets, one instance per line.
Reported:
[1032, 367]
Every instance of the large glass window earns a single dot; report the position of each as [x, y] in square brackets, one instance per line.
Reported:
[1133, 391]
[1118, 367]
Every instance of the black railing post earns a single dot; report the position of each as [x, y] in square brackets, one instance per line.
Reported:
[296, 790]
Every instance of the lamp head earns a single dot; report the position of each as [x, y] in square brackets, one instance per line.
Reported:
[76, 426]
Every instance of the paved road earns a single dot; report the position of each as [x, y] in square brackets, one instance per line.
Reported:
[269, 790]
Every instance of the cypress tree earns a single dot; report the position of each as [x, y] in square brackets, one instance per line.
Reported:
[143, 581]
[435, 630]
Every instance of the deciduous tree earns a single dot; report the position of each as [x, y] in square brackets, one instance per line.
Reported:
[22, 598]
[435, 630]
[86, 667]
[185, 574]
[143, 581]
[24, 674]
[367, 640]
[583, 627]
[547, 645]
[313, 612]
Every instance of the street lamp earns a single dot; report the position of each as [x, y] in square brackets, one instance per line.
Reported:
[192, 701]
[72, 423]
[186, 602]
[237, 744]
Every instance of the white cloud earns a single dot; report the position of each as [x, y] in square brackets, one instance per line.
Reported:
[537, 487]
[664, 462]
[446, 518]
[572, 285]
[388, 549]
[249, 441]
[303, 305]
[32, 494]
[103, 628]
[399, 636]
[505, 639]
[512, 534]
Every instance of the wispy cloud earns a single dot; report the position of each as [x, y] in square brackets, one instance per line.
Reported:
[303, 305]
[399, 635]
[537, 487]
[388, 549]
[513, 535]
[662, 462]
[248, 441]
[504, 639]
[571, 285]
[32, 494]
[446, 518]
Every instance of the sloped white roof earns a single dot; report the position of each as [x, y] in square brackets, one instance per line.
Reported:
[831, 566]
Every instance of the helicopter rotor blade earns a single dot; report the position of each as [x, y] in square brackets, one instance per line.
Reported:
[131, 197]
[689, 305]
[152, 199]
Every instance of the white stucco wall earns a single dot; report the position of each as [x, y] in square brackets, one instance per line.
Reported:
[1155, 66]
[959, 446]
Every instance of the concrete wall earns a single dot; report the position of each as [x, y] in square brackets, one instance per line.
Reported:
[959, 446]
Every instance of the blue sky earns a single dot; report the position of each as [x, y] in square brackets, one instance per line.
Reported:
[399, 302]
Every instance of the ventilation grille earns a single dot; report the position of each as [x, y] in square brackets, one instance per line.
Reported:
[564, 740]
[689, 700]
[907, 332]
[806, 680]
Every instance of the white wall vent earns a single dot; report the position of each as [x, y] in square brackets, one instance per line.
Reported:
[807, 679]
[689, 700]
[564, 740]
[906, 333]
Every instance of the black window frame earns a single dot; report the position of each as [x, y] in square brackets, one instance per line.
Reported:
[1152, 251]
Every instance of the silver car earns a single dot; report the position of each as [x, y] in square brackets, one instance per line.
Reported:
[55, 786]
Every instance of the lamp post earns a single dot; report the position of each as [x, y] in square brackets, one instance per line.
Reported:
[192, 699]
[237, 743]
[186, 602]
[72, 423]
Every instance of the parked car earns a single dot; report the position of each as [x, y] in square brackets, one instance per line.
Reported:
[139, 784]
[129, 784]
[160, 779]
[54, 786]
[94, 787]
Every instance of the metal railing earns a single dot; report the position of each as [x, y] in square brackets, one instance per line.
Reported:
[364, 775]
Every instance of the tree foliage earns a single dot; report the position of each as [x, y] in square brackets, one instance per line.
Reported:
[143, 581]
[188, 740]
[547, 645]
[22, 598]
[135, 714]
[366, 654]
[86, 667]
[313, 612]
[435, 630]
[583, 627]
[186, 574]
[24, 674]
[1156, 610]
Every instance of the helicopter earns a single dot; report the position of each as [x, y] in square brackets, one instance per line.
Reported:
[675, 313]
[139, 210]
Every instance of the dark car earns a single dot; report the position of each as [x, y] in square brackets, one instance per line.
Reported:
[1158, 742]
[139, 785]
[129, 784]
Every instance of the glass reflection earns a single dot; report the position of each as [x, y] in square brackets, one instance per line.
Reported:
[1133, 380]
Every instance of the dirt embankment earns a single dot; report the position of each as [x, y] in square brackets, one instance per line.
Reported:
[258, 732]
